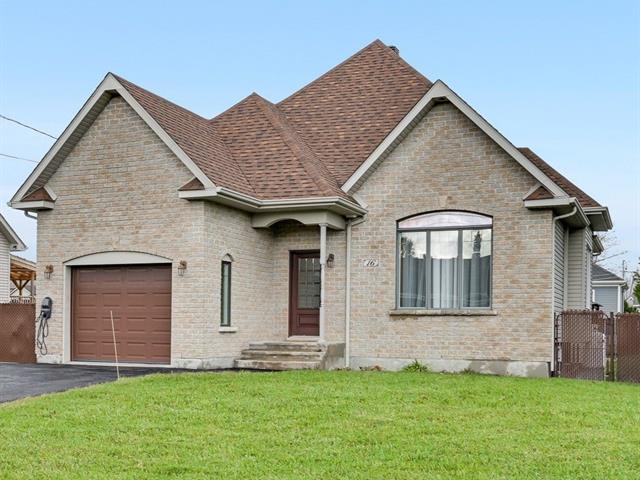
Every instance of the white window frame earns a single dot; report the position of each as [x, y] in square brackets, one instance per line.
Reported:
[459, 286]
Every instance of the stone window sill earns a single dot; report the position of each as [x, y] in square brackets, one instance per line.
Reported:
[227, 329]
[423, 312]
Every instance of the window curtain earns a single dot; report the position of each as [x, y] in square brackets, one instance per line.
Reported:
[476, 268]
[413, 269]
[444, 268]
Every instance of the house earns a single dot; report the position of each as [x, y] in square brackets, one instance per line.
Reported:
[9, 242]
[370, 218]
[608, 289]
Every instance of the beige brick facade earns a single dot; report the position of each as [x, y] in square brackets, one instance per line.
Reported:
[447, 163]
[118, 191]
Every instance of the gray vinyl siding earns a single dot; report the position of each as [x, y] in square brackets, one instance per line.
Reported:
[577, 270]
[5, 268]
[559, 267]
[607, 297]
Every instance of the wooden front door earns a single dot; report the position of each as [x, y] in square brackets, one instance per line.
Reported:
[304, 293]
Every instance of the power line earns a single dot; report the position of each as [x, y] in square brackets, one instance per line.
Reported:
[18, 158]
[27, 126]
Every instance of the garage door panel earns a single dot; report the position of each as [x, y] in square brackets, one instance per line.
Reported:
[139, 297]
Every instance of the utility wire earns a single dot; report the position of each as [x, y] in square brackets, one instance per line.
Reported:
[27, 126]
[18, 158]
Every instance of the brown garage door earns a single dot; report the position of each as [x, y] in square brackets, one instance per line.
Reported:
[139, 297]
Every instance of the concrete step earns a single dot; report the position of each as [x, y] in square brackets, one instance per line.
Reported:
[276, 365]
[310, 346]
[281, 355]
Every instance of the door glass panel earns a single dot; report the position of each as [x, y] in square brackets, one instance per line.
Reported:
[308, 283]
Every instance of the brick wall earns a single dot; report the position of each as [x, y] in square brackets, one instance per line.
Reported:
[448, 163]
[117, 190]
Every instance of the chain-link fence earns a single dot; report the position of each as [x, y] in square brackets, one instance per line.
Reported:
[17, 332]
[592, 345]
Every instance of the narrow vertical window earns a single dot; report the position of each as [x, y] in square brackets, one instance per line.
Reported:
[225, 295]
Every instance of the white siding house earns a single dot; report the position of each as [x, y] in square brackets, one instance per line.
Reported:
[9, 242]
[608, 290]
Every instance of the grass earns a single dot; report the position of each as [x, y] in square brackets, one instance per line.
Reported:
[332, 425]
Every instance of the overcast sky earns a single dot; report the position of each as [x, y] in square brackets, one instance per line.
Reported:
[560, 77]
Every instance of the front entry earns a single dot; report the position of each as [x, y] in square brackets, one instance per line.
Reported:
[304, 293]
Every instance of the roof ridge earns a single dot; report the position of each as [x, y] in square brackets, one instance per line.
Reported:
[377, 41]
[413, 70]
[305, 155]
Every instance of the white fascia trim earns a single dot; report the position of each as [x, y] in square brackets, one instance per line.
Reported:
[51, 193]
[607, 283]
[551, 202]
[255, 204]
[559, 202]
[198, 194]
[15, 242]
[440, 90]
[34, 205]
[604, 211]
[109, 83]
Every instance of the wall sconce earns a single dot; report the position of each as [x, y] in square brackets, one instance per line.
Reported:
[330, 260]
[48, 270]
[182, 266]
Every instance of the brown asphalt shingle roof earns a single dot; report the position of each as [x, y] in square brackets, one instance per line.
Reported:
[347, 112]
[562, 181]
[310, 143]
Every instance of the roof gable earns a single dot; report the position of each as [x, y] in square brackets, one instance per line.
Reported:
[601, 274]
[319, 142]
[15, 242]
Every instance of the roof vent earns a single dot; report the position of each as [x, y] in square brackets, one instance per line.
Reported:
[395, 49]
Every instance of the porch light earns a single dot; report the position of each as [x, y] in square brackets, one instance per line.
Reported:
[182, 266]
[48, 270]
[330, 260]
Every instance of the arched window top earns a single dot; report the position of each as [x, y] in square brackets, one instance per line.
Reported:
[455, 219]
[227, 258]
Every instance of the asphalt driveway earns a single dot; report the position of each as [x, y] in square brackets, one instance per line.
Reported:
[28, 380]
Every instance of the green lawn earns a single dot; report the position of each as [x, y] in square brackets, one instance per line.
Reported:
[330, 425]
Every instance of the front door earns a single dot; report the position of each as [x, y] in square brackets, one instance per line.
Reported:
[304, 293]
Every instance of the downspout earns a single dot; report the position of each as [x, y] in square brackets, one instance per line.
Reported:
[347, 301]
[323, 261]
[29, 215]
[553, 281]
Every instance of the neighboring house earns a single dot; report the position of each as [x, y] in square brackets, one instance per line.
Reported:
[372, 215]
[23, 277]
[9, 242]
[608, 289]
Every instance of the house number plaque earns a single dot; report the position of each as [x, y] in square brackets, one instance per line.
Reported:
[371, 262]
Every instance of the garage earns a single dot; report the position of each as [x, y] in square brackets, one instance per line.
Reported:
[139, 297]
